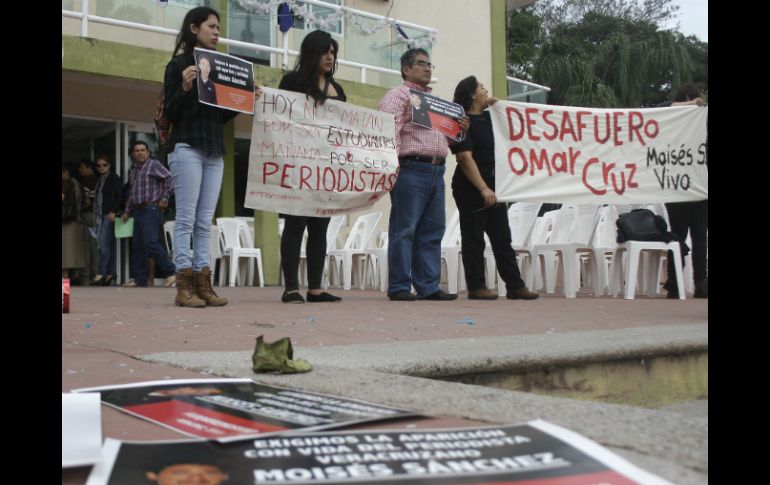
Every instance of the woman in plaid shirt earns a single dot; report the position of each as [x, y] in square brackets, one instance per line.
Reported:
[196, 160]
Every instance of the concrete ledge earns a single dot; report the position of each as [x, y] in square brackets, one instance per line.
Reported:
[439, 358]
[670, 444]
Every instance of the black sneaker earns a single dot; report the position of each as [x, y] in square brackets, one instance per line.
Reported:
[441, 295]
[402, 296]
[323, 297]
[293, 297]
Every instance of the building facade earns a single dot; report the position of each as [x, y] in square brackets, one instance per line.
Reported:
[114, 53]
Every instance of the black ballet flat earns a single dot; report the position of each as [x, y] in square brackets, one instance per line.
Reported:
[322, 298]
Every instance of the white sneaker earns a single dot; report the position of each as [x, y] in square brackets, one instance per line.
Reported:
[170, 281]
[130, 284]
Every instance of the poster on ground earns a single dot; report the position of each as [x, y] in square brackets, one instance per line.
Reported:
[231, 409]
[319, 160]
[565, 154]
[81, 429]
[437, 114]
[225, 81]
[537, 453]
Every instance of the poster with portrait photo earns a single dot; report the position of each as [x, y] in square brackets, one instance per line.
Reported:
[536, 453]
[225, 81]
[232, 409]
[437, 114]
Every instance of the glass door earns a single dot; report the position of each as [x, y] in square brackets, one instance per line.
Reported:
[132, 131]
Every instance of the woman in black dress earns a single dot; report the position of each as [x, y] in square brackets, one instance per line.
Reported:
[313, 75]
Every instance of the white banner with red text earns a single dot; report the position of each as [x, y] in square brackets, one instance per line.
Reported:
[561, 154]
[318, 160]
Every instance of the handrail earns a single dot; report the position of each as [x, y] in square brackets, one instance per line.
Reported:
[527, 83]
[85, 18]
[370, 15]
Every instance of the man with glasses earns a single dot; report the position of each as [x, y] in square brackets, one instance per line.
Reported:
[417, 219]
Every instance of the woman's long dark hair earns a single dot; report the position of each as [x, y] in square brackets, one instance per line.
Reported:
[185, 40]
[315, 45]
[464, 92]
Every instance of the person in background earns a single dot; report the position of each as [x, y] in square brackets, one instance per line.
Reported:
[106, 206]
[473, 188]
[149, 189]
[196, 161]
[72, 258]
[87, 179]
[689, 216]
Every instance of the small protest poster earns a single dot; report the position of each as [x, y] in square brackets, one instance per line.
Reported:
[319, 160]
[536, 453]
[124, 229]
[230, 409]
[436, 113]
[225, 81]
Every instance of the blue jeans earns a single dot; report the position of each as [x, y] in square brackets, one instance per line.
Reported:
[417, 224]
[106, 247]
[145, 243]
[197, 180]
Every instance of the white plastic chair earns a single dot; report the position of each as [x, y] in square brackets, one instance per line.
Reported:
[542, 268]
[571, 237]
[450, 252]
[627, 255]
[332, 242]
[376, 263]
[521, 220]
[168, 238]
[603, 244]
[240, 244]
[359, 238]
[489, 262]
[216, 254]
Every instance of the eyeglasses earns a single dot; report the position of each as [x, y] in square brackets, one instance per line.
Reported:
[425, 64]
[102, 165]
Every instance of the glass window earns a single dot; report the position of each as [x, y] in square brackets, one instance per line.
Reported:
[400, 46]
[320, 12]
[129, 10]
[252, 27]
[526, 94]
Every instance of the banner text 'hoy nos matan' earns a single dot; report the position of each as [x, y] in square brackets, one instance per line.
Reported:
[312, 159]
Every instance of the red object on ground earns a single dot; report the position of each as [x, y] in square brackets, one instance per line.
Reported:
[65, 295]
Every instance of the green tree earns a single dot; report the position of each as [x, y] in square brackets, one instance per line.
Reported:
[604, 61]
[604, 53]
[525, 34]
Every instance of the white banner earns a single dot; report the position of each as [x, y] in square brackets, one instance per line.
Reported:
[559, 154]
[318, 160]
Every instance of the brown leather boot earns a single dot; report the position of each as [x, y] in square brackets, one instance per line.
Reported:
[205, 291]
[185, 290]
[522, 294]
[482, 294]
